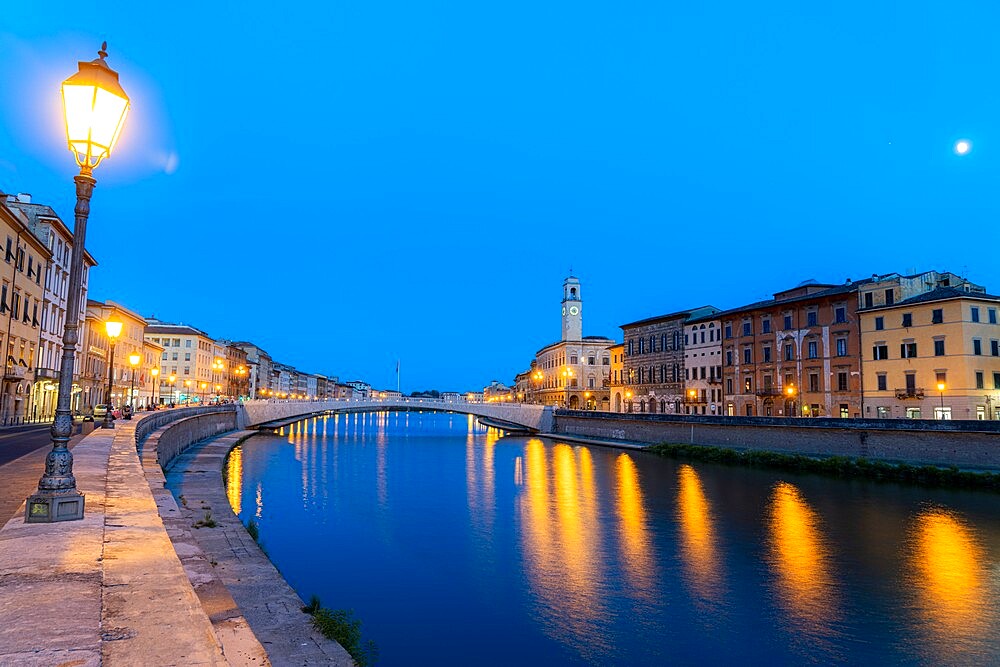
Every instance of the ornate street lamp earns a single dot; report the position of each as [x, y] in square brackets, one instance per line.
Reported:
[152, 394]
[940, 386]
[114, 330]
[187, 392]
[95, 108]
[133, 360]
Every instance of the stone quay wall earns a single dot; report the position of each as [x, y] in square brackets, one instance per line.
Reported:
[965, 444]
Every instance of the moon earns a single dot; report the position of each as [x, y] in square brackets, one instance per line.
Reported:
[962, 147]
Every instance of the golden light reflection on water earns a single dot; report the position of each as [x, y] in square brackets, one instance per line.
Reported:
[950, 577]
[800, 561]
[699, 546]
[234, 479]
[563, 561]
[259, 500]
[637, 558]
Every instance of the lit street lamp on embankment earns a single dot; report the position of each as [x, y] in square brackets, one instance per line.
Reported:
[95, 107]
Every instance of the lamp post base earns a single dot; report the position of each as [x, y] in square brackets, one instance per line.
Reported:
[52, 507]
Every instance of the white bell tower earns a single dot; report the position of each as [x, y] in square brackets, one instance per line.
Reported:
[572, 310]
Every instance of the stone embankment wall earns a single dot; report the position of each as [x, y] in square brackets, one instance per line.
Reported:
[184, 432]
[966, 444]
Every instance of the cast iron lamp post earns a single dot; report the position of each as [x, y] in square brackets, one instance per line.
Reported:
[187, 392]
[133, 360]
[173, 389]
[114, 330]
[95, 107]
[791, 398]
[152, 394]
[940, 386]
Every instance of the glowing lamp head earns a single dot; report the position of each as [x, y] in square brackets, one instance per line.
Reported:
[790, 390]
[134, 359]
[172, 378]
[940, 386]
[113, 329]
[154, 372]
[95, 106]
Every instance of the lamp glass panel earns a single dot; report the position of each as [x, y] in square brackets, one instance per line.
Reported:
[114, 329]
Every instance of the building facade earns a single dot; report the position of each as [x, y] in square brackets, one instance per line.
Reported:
[703, 366]
[188, 355]
[935, 355]
[653, 364]
[574, 372]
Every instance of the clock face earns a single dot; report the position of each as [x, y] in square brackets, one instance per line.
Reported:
[573, 310]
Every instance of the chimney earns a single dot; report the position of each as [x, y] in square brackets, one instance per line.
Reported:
[24, 197]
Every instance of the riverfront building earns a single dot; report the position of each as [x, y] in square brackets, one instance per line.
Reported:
[575, 371]
[188, 355]
[795, 354]
[47, 227]
[653, 366]
[931, 348]
[703, 365]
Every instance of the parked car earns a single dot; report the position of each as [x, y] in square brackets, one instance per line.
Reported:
[100, 411]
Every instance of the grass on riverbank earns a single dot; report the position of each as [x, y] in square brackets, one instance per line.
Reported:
[838, 466]
[341, 626]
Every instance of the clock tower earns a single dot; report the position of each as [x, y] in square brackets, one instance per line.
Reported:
[572, 307]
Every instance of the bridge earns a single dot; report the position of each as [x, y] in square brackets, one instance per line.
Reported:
[535, 418]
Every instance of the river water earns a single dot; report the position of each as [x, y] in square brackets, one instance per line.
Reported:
[456, 547]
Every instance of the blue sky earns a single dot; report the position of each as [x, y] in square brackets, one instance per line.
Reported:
[357, 182]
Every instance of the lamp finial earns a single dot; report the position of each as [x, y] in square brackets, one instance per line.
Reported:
[103, 53]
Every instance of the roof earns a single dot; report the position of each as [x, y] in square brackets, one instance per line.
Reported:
[836, 290]
[938, 294]
[179, 329]
[698, 312]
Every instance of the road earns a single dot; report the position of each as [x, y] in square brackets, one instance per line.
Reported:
[22, 461]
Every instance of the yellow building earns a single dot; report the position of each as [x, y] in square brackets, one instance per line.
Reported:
[189, 355]
[130, 383]
[935, 355]
[574, 372]
[22, 302]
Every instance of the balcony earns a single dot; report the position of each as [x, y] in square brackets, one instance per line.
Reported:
[46, 374]
[714, 380]
[769, 391]
[14, 372]
[910, 392]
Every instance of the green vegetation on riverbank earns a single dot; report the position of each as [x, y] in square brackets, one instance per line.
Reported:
[341, 626]
[838, 466]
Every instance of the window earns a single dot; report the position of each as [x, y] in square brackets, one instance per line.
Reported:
[789, 352]
[812, 349]
[881, 381]
[813, 382]
[869, 299]
[187, 356]
[591, 361]
[890, 297]
[995, 348]
[606, 361]
[747, 385]
[845, 411]
[975, 313]
[977, 346]
[939, 347]
[811, 318]
[842, 381]
[840, 314]
[996, 380]
[747, 355]
[729, 330]
[765, 326]
[729, 384]
[992, 312]
[979, 379]
[907, 350]
[747, 329]
[729, 357]
[841, 347]
[164, 357]
[642, 346]
[767, 354]
[937, 316]
[788, 322]
[187, 343]
[573, 359]
[173, 357]
[907, 319]
[879, 323]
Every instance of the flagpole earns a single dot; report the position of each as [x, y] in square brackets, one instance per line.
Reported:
[397, 376]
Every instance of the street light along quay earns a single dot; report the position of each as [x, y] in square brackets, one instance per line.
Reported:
[133, 360]
[940, 387]
[114, 329]
[152, 394]
[95, 107]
